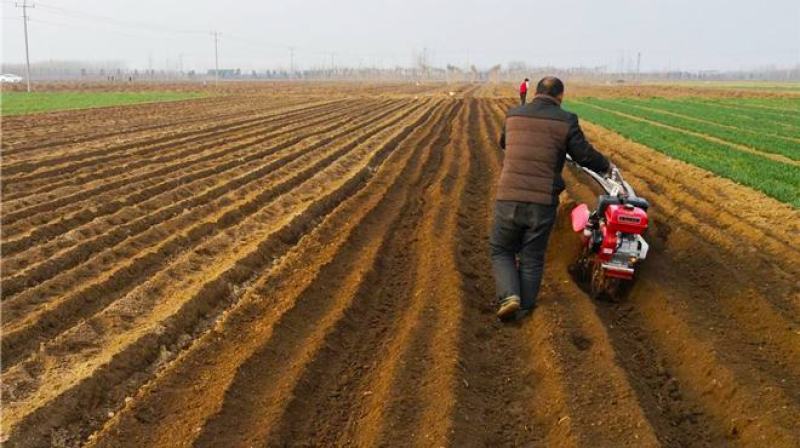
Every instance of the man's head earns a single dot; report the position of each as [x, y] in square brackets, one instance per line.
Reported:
[552, 86]
[526, 79]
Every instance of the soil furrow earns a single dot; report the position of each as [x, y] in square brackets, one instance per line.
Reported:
[325, 406]
[63, 126]
[249, 325]
[70, 137]
[420, 402]
[127, 127]
[257, 403]
[495, 402]
[56, 258]
[77, 181]
[174, 195]
[92, 196]
[141, 199]
[31, 318]
[703, 390]
[42, 316]
[55, 164]
[42, 410]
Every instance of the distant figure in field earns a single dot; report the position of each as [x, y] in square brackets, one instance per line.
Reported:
[523, 91]
[536, 138]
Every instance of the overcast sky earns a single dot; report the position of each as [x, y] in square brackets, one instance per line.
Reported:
[257, 34]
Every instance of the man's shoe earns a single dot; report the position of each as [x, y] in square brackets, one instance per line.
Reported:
[522, 313]
[508, 308]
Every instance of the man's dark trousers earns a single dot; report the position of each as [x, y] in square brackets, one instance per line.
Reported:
[522, 96]
[520, 228]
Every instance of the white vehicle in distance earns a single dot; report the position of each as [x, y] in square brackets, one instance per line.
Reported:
[8, 77]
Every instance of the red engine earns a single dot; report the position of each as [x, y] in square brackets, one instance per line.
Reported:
[622, 246]
[612, 241]
[612, 235]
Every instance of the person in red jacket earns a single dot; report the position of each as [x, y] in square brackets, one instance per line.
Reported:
[523, 91]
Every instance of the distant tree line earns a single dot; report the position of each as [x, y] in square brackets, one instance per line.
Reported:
[421, 71]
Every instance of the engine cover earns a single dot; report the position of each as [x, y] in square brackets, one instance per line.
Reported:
[626, 218]
[622, 245]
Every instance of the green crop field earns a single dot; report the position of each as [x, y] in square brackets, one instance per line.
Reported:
[790, 87]
[729, 113]
[720, 152]
[17, 103]
[756, 110]
[790, 104]
[753, 137]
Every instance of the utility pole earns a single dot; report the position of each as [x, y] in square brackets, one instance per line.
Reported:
[425, 70]
[291, 62]
[24, 5]
[216, 57]
[333, 63]
[638, 65]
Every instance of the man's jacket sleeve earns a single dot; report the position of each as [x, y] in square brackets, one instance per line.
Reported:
[581, 151]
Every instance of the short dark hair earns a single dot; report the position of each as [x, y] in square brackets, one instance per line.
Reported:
[550, 85]
[526, 79]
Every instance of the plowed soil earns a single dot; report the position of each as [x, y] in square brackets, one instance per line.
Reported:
[272, 267]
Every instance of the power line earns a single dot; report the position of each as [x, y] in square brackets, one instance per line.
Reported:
[77, 26]
[105, 20]
[110, 22]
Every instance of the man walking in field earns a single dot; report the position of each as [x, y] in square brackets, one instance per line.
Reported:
[536, 138]
[523, 91]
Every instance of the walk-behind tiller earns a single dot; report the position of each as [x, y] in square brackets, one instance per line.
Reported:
[612, 240]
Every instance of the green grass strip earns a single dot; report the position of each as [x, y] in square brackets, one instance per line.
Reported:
[773, 110]
[758, 141]
[778, 180]
[789, 87]
[753, 121]
[740, 108]
[18, 103]
[778, 87]
[792, 104]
